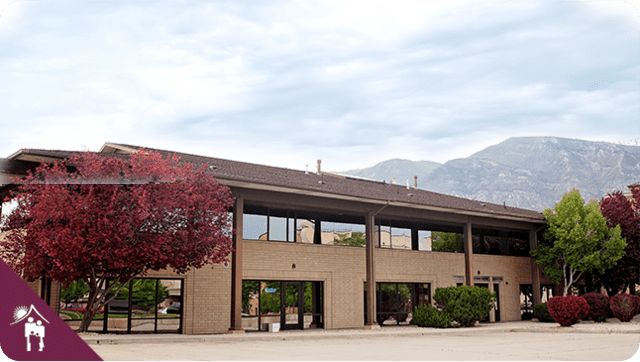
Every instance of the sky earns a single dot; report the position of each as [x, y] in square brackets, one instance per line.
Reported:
[284, 83]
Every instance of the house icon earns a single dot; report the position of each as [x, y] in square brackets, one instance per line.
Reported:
[31, 328]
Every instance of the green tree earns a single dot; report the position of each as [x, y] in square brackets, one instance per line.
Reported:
[249, 291]
[356, 239]
[447, 242]
[577, 241]
[271, 302]
[76, 290]
[144, 292]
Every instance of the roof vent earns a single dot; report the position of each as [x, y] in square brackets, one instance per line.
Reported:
[319, 169]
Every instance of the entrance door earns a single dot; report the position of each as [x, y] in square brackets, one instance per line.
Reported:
[292, 305]
[496, 289]
[482, 285]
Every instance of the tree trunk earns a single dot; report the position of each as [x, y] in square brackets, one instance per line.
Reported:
[86, 320]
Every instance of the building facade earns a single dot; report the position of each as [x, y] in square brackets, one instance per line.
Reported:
[317, 241]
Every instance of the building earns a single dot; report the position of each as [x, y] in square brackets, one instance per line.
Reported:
[283, 246]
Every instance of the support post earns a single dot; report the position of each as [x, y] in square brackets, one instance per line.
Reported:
[468, 255]
[415, 241]
[371, 282]
[317, 231]
[535, 270]
[236, 268]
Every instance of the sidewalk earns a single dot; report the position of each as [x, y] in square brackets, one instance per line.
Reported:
[613, 326]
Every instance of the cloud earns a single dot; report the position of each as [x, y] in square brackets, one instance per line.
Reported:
[284, 83]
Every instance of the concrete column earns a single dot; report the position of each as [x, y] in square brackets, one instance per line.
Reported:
[492, 312]
[236, 271]
[468, 255]
[371, 280]
[535, 270]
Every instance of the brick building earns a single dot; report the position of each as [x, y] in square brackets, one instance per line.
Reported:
[321, 283]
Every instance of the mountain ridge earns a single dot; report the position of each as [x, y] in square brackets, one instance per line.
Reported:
[526, 172]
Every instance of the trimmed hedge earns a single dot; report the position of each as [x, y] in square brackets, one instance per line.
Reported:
[465, 305]
[426, 315]
[598, 306]
[541, 312]
[568, 310]
[624, 306]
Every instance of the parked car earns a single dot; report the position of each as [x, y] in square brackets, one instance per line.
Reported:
[174, 308]
[72, 306]
[77, 307]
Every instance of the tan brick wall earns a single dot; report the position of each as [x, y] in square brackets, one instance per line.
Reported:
[207, 291]
[439, 268]
[340, 268]
[206, 298]
[35, 286]
[515, 270]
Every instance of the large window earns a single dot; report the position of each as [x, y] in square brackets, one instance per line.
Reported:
[395, 301]
[292, 304]
[261, 223]
[308, 227]
[144, 305]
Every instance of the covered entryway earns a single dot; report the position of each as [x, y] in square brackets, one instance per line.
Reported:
[291, 304]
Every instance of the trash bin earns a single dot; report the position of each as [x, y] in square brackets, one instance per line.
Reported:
[274, 327]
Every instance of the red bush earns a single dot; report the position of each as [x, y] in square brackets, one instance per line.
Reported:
[598, 306]
[624, 306]
[567, 310]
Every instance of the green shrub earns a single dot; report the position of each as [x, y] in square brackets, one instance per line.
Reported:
[465, 305]
[426, 315]
[542, 313]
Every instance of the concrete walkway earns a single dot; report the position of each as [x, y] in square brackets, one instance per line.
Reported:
[391, 331]
[522, 340]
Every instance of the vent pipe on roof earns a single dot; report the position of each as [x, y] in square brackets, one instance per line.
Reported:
[415, 178]
[319, 169]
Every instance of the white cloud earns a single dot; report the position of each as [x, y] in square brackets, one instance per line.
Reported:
[287, 82]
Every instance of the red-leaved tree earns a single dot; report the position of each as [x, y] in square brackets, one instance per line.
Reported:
[618, 210]
[94, 218]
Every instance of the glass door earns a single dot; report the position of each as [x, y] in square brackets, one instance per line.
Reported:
[292, 304]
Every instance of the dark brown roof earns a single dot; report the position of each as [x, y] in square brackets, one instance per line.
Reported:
[341, 185]
[300, 180]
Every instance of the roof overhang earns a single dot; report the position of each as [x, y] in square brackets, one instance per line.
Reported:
[375, 203]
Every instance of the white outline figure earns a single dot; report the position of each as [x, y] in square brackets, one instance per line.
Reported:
[32, 328]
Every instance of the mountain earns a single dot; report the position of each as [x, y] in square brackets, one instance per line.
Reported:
[527, 172]
[402, 170]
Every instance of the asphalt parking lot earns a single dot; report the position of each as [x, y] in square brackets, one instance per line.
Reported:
[509, 341]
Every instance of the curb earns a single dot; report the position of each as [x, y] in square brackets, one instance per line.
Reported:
[353, 334]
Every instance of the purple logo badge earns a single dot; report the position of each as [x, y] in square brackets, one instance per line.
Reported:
[30, 330]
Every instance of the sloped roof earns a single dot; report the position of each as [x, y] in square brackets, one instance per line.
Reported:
[228, 171]
[335, 184]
